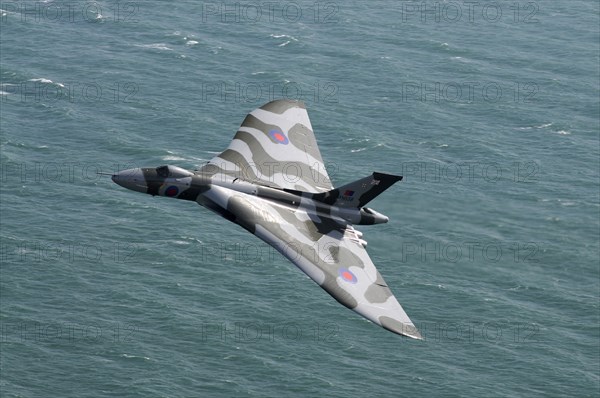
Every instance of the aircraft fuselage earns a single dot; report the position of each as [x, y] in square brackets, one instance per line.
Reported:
[175, 182]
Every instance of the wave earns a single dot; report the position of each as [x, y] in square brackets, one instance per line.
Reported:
[288, 40]
[155, 46]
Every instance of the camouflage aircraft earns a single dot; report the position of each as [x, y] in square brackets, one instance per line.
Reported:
[272, 181]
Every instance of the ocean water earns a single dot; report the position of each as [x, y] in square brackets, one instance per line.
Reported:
[490, 111]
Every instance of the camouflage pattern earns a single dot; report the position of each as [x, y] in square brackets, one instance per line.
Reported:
[271, 181]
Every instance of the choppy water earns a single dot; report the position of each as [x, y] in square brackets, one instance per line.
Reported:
[491, 113]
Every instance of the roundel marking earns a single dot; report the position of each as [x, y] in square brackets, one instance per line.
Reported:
[171, 191]
[279, 137]
[347, 275]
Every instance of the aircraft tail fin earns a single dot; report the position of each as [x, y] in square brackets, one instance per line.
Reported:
[358, 193]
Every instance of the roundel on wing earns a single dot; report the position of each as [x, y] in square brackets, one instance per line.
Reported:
[278, 137]
[171, 191]
[347, 275]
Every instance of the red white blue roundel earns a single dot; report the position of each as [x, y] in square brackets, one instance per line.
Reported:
[171, 191]
[278, 137]
[347, 275]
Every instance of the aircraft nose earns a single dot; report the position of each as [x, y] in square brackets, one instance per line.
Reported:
[131, 179]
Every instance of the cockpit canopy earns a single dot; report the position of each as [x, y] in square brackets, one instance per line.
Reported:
[172, 172]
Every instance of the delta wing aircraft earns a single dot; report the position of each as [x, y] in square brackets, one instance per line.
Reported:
[272, 181]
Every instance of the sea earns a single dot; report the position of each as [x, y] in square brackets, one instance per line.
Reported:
[490, 110]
